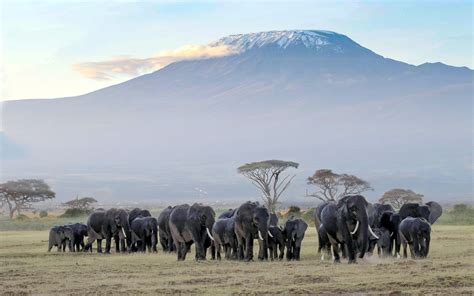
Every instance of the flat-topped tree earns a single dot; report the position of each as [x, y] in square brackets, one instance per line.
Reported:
[83, 204]
[333, 186]
[397, 197]
[21, 194]
[266, 176]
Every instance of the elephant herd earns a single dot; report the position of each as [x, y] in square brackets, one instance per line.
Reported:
[354, 227]
[351, 226]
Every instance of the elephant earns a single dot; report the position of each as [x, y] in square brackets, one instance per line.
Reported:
[435, 211]
[191, 224]
[75, 236]
[145, 233]
[137, 212]
[293, 231]
[415, 210]
[347, 223]
[276, 241]
[105, 225]
[323, 239]
[227, 214]
[273, 219]
[224, 237]
[166, 239]
[375, 212]
[383, 242]
[415, 232]
[391, 221]
[251, 221]
[57, 238]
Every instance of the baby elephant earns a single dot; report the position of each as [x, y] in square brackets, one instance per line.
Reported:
[57, 237]
[294, 233]
[145, 233]
[415, 232]
[276, 241]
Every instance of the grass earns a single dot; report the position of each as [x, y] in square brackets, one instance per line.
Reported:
[28, 269]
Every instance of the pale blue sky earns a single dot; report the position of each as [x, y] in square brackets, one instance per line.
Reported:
[43, 40]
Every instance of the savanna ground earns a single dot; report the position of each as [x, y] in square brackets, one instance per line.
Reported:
[27, 268]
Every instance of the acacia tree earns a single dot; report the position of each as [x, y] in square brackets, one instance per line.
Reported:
[398, 197]
[333, 186]
[83, 204]
[266, 176]
[21, 194]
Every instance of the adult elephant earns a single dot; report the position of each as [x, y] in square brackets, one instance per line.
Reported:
[375, 212]
[391, 221]
[191, 224]
[166, 239]
[435, 211]
[251, 221]
[323, 239]
[57, 237]
[415, 232]
[415, 210]
[145, 233]
[347, 223]
[227, 214]
[76, 236]
[293, 231]
[137, 212]
[105, 225]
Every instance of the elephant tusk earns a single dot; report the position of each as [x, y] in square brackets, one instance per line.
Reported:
[372, 232]
[355, 229]
[391, 234]
[260, 235]
[270, 234]
[123, 231]
[322, 257]
[209, 233]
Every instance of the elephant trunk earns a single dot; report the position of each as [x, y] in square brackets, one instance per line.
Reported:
[427, 246]
[363, 238]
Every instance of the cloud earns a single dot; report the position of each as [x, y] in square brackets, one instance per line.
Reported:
[125, 65]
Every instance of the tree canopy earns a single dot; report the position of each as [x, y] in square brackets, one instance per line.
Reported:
[333, 186]
[397, 197]
[21, 194]
[84, 203]
[265, 175]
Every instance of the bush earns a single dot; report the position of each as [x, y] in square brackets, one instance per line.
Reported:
[308, 216]
[22, 217]
[460, 214]
[43, 214]
[294, 210]
[75, 212]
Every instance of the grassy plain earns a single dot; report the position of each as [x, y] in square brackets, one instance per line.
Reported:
[26, 268]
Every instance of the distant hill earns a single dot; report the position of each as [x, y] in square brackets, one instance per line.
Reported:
[315, 97]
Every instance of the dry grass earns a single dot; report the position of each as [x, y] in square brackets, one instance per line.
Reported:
[28, 269]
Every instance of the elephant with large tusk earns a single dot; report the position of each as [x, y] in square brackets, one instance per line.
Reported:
[252, 221]
[192, 224]
[107, 225]
[345, 222]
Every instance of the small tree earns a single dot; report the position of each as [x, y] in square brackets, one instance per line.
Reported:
[266, 176]
[398, 197]
[334, 186]
[83, 204]
[21, 194]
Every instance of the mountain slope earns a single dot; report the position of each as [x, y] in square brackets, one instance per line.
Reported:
[315, 97]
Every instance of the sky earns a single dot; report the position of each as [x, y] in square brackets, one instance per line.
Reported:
[53, 49]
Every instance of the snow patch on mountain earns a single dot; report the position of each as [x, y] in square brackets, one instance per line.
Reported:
[312, 39]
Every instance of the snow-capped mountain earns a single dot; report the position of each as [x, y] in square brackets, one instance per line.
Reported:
[315, 97]
[311, 39]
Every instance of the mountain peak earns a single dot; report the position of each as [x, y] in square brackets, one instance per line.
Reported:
[310, 39]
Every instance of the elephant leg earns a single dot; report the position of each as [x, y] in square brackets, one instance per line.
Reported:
[50, 246]
[99, 246]
[335, 252]
[289, 250]
[248, 247]
[282, 251]
[240, 247]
